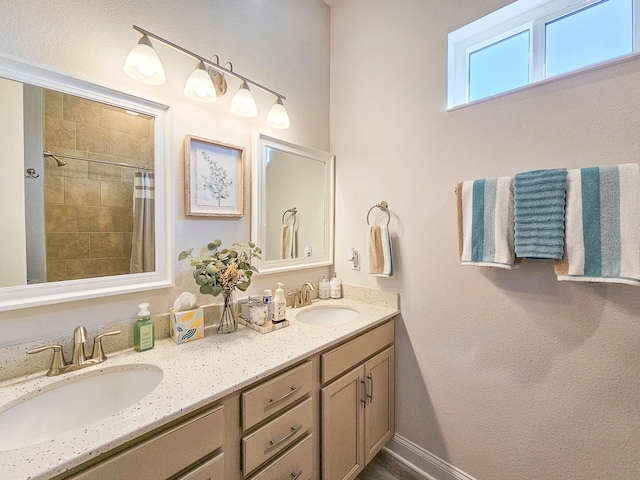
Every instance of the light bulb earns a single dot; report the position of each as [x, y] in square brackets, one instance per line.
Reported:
[143, 64]
[199, 85]
[278, 117]
[243, 103]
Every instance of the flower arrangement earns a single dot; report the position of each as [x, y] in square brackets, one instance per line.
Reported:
[222, 271]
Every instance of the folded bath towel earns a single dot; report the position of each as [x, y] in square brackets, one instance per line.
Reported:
[539, 213]
[603, 226]
[380, 254]
[485, 222]
[288, 242]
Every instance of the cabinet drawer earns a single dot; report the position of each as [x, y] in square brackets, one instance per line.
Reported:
[276, 394]
[296, 464]
[275, 436]
[345, 357]
[210, 470]
[166, 453]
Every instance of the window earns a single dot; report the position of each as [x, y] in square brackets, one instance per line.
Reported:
[532, 40]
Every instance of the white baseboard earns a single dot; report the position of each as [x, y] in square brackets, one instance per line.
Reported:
[422, 461]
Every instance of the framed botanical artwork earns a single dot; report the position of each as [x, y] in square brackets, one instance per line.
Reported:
[214, 178]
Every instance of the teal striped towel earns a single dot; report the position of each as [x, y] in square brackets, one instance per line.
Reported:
[603, 226]
[485, 222]
[539, 213]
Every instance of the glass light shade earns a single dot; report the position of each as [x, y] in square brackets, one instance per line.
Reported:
[278, 117]
[243, 103]
[143, 64]
[199, 85]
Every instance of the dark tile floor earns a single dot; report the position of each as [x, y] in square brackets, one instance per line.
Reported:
[386, 467]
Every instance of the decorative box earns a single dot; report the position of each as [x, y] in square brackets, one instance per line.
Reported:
[187, 325]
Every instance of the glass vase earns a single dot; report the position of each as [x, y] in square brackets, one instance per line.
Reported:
[228, 312]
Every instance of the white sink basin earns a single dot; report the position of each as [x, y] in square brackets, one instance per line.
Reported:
[74, 403]
[327, 316]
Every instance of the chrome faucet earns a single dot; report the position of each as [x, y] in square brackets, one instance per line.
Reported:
[78, 358]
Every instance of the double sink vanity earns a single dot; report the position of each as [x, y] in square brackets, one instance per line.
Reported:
[312, 400]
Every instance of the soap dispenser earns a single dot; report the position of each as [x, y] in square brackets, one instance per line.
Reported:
[143, 330]
[324, 289]
[278, 311]
[335, 286]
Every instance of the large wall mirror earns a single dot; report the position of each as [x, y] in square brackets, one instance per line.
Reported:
[292, 214]
[85, 199]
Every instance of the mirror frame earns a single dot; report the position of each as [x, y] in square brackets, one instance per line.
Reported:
[258, 203]
[24, 296]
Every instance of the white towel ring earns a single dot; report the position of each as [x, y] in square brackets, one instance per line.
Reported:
[384, 206]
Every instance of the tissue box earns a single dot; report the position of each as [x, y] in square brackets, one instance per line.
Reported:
[186, 326]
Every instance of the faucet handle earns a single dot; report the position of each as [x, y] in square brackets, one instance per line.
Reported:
[57, 362]
[98, 353]
[296, 299]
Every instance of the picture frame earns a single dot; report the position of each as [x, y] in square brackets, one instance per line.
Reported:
[214, 178]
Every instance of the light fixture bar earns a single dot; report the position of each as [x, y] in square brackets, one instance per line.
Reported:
[209, 63]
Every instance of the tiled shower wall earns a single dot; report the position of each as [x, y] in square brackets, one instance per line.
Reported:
[88, 205]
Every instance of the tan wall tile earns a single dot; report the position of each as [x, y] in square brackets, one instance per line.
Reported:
[122, 219]
[81, 191]
[81, 110]
[115, 119]
[85, 268]
[95, 219]
[56, 270]
[53, 104]
[64, 246]
[59, 133]
[106, 245]
[53, 190]
[101, 171]
[125, 145]
[116, 266]
[128, 174]
[61, 218]
[93, 139]
[141, 125]
[73, 168]
[115, 194]
[127, 239]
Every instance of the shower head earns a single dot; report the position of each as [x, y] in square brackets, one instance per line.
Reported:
[61, 163]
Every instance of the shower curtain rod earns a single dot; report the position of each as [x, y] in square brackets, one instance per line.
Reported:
[47, 153]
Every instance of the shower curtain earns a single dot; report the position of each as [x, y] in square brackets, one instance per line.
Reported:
[143, 248]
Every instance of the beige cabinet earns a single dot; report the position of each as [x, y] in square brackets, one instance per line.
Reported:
[357, 413]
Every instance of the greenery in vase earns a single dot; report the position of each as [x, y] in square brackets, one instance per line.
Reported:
[223, 270]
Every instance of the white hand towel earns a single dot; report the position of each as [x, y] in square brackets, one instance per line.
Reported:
[380, 254]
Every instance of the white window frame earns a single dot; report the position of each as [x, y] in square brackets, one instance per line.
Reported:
[521, 15]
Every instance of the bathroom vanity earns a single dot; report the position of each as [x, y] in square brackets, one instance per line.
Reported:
[304, 402]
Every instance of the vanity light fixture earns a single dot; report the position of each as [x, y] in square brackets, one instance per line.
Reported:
[205, 83]
[243, 103]
[278, 117]
[199, 86]
[143, 64]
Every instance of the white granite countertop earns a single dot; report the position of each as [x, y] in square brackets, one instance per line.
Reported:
[195, 374]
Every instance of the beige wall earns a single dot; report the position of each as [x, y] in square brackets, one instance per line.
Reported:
[14, 268]
[284, 45]
[506, 375]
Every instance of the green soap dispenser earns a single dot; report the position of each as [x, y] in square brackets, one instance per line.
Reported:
[143, 330]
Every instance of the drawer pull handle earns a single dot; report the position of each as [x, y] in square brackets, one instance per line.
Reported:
[275, 444]
[370, 395]
[290, 393]
[295, 476]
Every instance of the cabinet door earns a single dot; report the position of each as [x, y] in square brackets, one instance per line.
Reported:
[342, 427]
[379, 412]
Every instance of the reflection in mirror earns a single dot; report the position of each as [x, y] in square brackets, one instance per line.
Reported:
[78, 199]
[293, 205]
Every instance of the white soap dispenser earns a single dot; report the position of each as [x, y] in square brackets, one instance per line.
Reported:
[324, 288]
[335, 286]
[278, 311]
